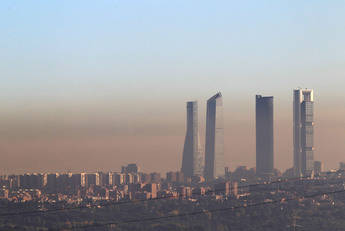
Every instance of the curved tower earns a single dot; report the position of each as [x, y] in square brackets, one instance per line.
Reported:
[192, 160]
[214, 145]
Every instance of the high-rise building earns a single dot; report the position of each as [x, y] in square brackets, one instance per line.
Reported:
[192, 162]
[83, 179]
[102, 179]
[318, 167]
[152, 188]
[90, 179]
[303, 131]
[264, 135]
[118, 178]
[76, 180]
[130, 168]
[31, 181]
[14, 181]
[214, 145]
[52, 182]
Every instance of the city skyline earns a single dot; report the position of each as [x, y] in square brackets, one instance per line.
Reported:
[79, 85]
[302, 97]
[172, 115]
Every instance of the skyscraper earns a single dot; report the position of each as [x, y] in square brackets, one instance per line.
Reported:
[192, 162]
[214, 145]
[303, 131]
[264, 135]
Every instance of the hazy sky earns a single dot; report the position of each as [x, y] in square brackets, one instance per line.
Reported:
[93, 85]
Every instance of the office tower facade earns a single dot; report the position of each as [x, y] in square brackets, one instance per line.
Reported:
[303, 131]
[264, 135]
[192, 160]
[214, 145]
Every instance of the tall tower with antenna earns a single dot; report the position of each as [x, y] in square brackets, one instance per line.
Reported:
[303, 131]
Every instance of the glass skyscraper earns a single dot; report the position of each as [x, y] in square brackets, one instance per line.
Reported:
[303, 131]
[264, 135]
[214, 145]
[193, 158]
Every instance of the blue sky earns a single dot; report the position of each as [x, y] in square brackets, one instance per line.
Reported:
[104, 46]
[118, 61]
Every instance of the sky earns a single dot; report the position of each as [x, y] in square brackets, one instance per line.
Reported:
[94, 85]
